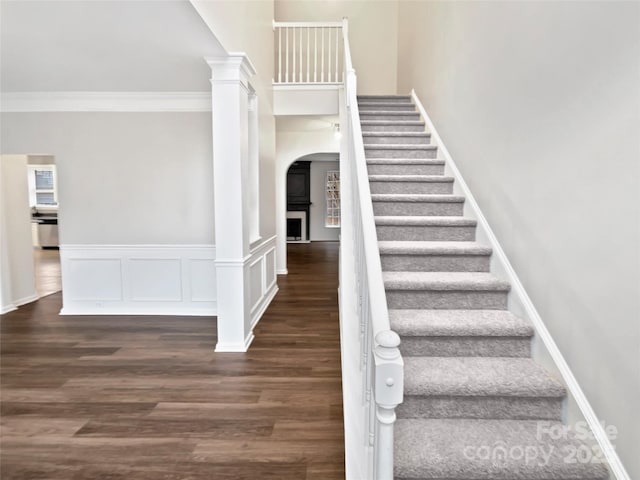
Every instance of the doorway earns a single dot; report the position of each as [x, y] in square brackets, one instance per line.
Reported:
[43, 203]
[313, 199]
[28, 240]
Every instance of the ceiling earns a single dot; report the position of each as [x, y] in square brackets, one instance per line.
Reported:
[93, 45]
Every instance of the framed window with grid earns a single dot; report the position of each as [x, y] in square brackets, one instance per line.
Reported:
[42, 186]
[333, 199]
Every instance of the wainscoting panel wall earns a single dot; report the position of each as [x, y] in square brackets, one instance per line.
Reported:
[262, 278]
[138, 279]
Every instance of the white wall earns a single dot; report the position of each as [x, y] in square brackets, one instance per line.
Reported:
[246, 26]
[136, 213]
[17, 281]
[318, 211]
[538, 102]
[124, 178]
[373, 35]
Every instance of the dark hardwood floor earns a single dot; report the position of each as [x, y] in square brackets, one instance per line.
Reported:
[46, 262]
[147, 398]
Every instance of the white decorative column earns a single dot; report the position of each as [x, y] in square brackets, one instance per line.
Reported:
[231, 179]
[254, 169]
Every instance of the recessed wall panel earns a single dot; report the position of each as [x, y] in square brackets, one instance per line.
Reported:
[155, 280]
[203, 280]
[94, 279]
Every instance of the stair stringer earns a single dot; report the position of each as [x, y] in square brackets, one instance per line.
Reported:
[544, 349]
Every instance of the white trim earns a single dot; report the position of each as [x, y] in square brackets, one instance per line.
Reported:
[140, 311]
[231, 69]
[232, 263]
[263, 305]
[308, 24]
[235, 347]
[25, 300]
[178, 247]
[263, 245]
[268, 286]
[105, 102]
[282, 271]
[8, 308]
[138, 280]
[287, 87]
[520, 295]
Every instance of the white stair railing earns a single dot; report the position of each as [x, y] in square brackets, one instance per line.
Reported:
[381, 374]
[308, 52]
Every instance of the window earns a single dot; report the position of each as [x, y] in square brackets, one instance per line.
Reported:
[333, 199]
[42, 185]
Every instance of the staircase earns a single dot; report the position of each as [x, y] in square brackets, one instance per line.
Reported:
[476, 406]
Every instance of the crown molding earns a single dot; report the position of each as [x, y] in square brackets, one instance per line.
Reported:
[105, 102]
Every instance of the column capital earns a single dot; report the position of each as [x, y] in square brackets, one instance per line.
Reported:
[232, 67]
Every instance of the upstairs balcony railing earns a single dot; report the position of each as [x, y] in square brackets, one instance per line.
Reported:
[309, 52]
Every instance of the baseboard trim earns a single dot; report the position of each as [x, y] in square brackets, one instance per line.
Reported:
[25, 300]
[518, 290]
[8, 308]
[168, 311]
[282, 271]
[235, 347]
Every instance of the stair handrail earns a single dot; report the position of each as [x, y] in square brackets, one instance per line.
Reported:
[382, 366]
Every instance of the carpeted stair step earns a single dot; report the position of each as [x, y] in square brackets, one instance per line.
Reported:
[384, 98]
[388, 115]
[448, 449]
[417, 204]
[406, 138]
[461, 333]
[474, 400]
[400, 151]
[445, 290]
[411, 184]
[405, 166]
[388, 106]
[392, 126]
[416, 256]
[479, 387]
[423, 228]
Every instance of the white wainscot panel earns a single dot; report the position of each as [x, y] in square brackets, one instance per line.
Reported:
[138, 280]
[202, 277]
[94, 279]
[270, 265]
[155, 279]
[256, 282]
[262, 278]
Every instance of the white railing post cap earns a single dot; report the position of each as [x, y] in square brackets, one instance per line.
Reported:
[388, 339]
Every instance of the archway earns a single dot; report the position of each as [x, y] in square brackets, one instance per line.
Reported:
[299, 138]
[315, 214]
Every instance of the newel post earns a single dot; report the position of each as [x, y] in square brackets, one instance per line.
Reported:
[388, 388]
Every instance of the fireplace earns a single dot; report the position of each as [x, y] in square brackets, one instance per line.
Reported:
[294, 229]
[297, 227]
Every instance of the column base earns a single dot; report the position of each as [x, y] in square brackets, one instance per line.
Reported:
[238, 347]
